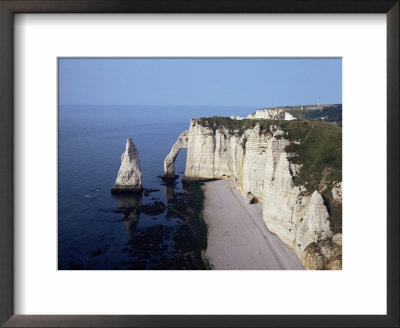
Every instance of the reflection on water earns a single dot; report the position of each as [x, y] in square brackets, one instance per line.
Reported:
[169, 191]
[171, 239]
[129, 208]
[159, 229]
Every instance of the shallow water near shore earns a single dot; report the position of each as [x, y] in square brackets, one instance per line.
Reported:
[101, 231]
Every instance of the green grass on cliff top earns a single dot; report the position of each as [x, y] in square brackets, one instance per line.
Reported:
[217, 122]
[319, 152]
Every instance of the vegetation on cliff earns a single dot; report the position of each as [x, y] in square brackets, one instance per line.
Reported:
[320, 153]
[332, 114]
[236, 126]
[316, 145]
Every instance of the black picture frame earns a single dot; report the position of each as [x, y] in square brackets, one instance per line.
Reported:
[10, 7]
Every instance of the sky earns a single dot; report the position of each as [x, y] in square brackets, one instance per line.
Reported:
[262, 82]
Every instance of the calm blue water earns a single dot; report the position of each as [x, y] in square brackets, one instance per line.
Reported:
[97, 230]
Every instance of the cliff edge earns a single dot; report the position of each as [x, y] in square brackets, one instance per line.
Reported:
[293, 167]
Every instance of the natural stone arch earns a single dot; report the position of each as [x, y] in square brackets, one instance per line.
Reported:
[169, 167]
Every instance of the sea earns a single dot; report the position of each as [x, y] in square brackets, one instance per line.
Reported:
[159, 229]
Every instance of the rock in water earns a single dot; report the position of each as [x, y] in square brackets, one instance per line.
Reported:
[129, 177]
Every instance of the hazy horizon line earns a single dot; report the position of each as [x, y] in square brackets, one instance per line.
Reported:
[234, 106]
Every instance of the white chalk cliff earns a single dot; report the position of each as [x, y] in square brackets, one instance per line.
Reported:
[129, 177]
[257, 162]
[267, 114]
[272, 114]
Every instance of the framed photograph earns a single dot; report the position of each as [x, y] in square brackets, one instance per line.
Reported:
[184, 164]
[209, 193]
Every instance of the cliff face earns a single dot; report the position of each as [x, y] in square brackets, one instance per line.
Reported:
[212, 155]
[256, 159]
[272, 114]
[323, 113]
[225, 154]
[129, 177]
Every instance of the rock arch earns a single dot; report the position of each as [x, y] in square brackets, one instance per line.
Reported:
[169, 168]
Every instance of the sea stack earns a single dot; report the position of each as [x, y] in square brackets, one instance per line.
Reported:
[129, 177]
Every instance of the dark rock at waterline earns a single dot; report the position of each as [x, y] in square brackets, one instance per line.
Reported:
[151, 190]
[128, 212]
[146, 192]
[169, 176]
[155, 208]
[170, 183]
[128, 190]
[188, 180]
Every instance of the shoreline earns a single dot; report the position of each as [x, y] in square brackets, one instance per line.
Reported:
[238, 238]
